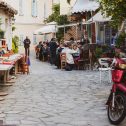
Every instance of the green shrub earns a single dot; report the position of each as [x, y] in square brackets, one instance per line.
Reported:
[15, 41]
[121, 40]
[1, 34]
[98, 52]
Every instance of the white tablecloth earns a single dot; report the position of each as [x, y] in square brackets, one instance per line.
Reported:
[5, 67]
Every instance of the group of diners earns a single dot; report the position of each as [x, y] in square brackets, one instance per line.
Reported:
[51, 51]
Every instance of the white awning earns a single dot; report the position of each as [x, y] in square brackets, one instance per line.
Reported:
[49, 28]
[85, 5]
[70, 25]
[98, 17]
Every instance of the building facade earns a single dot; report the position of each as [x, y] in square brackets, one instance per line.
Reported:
[31, 16]
[65, 8]
[6, 15]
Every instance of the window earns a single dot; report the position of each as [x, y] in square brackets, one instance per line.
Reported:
[34, 39]
[21, 9]
[34, 8]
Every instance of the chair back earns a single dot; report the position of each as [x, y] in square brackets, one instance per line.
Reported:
[63, 57]
[103, 63]
[63, 60]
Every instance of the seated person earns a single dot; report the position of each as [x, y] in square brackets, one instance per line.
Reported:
[58, 51]
[77, 54]
[37, 49]
[69, 56]
[45, 52]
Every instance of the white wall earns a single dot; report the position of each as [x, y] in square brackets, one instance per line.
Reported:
[7, 27]
[26, 24]
[65, 8]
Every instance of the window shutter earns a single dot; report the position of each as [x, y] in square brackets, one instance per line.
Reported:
[21, 11]
[44, 10]
[34, 8]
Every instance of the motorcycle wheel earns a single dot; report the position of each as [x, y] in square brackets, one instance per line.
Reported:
[117, 114]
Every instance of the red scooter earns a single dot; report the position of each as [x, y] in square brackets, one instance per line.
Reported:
[117, 99]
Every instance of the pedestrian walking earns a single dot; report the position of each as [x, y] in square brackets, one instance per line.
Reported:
[27, 43]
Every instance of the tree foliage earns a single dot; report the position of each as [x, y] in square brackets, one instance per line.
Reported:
[68, 1]
[60, 19]
[55, 15]
[15, 42]
[114, 8]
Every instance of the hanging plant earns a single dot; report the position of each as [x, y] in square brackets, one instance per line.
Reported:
[1, 34]
[1, 31]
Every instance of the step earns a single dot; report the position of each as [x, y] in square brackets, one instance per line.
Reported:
[3, 94]
[7, 125]
[1, 122]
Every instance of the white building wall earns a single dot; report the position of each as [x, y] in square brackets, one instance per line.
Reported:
[27, 24]
[65, 8]
[7, 27]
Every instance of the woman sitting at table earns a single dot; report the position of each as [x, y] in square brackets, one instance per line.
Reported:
[69, 56]
[76, 55]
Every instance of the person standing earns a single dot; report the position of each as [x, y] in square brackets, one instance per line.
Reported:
[27, 43]
[53, 46]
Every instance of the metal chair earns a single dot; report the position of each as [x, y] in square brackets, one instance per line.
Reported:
[104, 67]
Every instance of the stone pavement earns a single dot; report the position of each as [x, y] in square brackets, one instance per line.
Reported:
[53, 97]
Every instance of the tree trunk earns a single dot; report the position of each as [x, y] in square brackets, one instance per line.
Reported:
[121, 29]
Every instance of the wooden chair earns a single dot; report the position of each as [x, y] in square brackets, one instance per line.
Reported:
[80, 65]
[22, 66]
[63, 60]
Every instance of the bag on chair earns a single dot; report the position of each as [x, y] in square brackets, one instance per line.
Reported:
[28, 61]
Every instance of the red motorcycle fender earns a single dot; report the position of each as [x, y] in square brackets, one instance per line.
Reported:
[121, 87]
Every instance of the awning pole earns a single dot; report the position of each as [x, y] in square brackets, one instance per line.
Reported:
[76, 33]
[64, 31]
[104, 34]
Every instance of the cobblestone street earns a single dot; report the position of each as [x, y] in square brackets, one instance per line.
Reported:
[53, 97]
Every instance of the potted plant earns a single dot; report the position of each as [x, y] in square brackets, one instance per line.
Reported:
[121, 40]
[1, 34]
[1, 31]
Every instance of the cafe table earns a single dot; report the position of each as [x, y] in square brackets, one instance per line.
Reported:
[4, 70]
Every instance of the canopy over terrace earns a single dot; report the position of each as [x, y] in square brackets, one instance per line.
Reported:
[71, 25]
[84, 6]
[47, 29]
[98, 17]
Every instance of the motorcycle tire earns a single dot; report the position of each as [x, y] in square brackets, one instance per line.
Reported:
[119, 110]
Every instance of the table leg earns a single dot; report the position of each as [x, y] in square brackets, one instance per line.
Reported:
[16, 68]
[5, 77]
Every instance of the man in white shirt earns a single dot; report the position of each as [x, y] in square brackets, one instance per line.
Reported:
[69, 58]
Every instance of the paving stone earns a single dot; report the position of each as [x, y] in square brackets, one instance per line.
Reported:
[52, 97]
